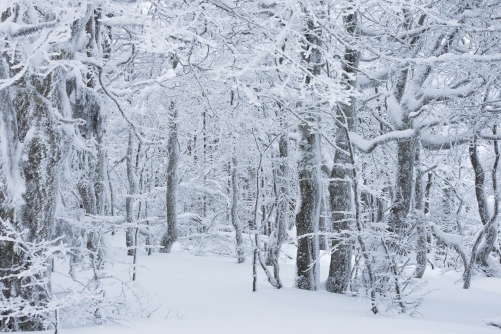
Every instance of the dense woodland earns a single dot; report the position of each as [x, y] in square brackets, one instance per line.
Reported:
[367, 130]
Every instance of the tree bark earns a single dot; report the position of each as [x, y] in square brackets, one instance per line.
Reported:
[340, 186]
[308, 217]
[485, 248]
[422, 243]
[235, 221]
[403, 188]
[307, 220]
[172, 182]
[130, 200]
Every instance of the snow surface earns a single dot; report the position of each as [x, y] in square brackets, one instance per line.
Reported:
[214, 295]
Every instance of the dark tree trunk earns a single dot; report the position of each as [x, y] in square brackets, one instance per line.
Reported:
[307, 268]
[308, 216]
[403, 187]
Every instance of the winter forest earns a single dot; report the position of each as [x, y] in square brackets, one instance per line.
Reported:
[193, 166]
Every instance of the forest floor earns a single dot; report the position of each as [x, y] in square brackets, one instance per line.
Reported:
[209, 294]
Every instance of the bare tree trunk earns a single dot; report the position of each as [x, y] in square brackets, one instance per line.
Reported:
[151, 185]
[422, 243]
[283, 200]
[9, 147]
[403, 187]
[309, 174]
[482, 204]
[129, 201]
[281, 189]
[340, 190]
[340, 186]
[275, 282]
[235, 221]
[323, 239]
[28, 197]
[172, 182]
[308, 217]
[281, 192]
[485, 248]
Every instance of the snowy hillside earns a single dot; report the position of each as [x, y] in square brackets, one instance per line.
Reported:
[206, 295]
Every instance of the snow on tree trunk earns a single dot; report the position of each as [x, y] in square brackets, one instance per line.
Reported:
[235, 220]
[340, 186]
[323, 238]
[422, 243]
[340, 191]
[308, 217]
[172, 182]
[43, 144]
[403, 187]
[485, 248]
[309, 175]
[281, 179]
[129, 200]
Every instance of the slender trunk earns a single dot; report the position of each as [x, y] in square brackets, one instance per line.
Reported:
[403, 188]
[283, 200]
[359, 227]
[172, 182]
[422, 249]
[235, 221]
[151, 185]
[429, 183]
[257, 243]
[279, 230]
[323, 239]
[485, 248]
[340, 190]
[129, 201]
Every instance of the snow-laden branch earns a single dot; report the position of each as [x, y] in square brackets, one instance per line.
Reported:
[428, 140]
[368, 146]
[442, 94]
[373, 79]
[13, 29]
[447, 57]
[453, 240]
[443, 142]
[41, 42]
[489, 137]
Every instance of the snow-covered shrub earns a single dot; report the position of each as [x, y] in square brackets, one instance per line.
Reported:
[45, 285]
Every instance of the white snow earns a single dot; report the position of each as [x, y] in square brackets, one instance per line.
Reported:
[368, 145]
[214, 295]
[449, 238]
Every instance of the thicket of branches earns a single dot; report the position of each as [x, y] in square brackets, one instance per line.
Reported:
[361, 130]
